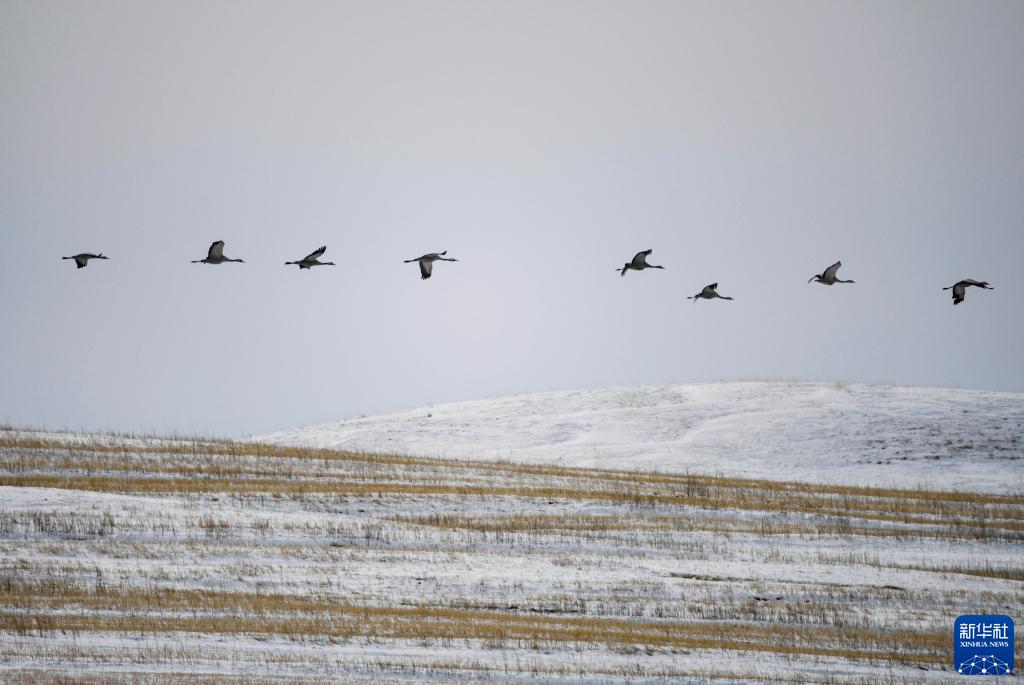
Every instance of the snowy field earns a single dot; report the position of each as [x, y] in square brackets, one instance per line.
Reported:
[855, 434]
[128, 559]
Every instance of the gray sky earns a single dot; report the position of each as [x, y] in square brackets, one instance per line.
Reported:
[542, 144]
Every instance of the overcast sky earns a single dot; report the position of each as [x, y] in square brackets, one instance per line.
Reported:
[542, 144]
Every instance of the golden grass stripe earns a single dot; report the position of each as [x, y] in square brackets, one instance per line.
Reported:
[214, 448]
[339, 488]
[300, 616]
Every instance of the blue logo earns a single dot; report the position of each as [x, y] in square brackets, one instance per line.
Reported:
[983, 645]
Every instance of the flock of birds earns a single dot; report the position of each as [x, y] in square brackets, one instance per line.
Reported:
[827, 277]
[215, 255]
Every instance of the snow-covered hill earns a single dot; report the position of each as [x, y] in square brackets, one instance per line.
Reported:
[853, 434]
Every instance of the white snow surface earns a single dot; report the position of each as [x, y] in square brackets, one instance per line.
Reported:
[836, 433]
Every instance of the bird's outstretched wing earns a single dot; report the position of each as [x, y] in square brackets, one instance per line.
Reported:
[315, 254]
[425, 268]
[830, 272]
[959, 290]
[216, 250]
[640, 257]
[713, 286]
[81, 260]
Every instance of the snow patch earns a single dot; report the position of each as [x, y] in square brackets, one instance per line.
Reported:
[839, 433]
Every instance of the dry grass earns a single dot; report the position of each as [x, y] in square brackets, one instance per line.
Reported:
[138, 610]
[680, 485]
[305, 545]
[213, 466]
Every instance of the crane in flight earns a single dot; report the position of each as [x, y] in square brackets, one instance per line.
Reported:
[709, 292]
[638, 263]
[216, 255]
[427, 262]
[960, 288]
[82, 260]
[828, 276]
[312, 259]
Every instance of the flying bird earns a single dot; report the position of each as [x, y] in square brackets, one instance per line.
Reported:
[216, 255]
[828, 276]
[709, 292]
[638, 263]
[427, 262]
[82, 260]
[960, 288]
[312, 259]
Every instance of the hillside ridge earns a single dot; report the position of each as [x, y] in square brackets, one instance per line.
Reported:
[817, 432]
